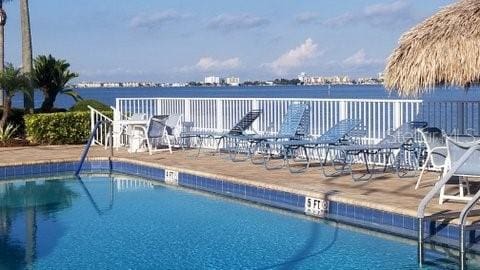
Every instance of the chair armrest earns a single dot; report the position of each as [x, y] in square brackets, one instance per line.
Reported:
[434, 149]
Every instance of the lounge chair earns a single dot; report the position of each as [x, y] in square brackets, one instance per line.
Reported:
[403, 140]
[337, 134]
[238, 130]
[294, 126]
[463, 160]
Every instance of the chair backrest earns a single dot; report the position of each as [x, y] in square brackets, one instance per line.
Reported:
[156, 126]
[245, 123]
[340, 130]
[174, 124]
[296, 121]
[407, 132]
[455, 152]
[432, 137]
[138, 116]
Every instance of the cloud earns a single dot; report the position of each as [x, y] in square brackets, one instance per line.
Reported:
[307, 17]
[208, 63]
[229, 22]
[211, 64]
[156, 19]
[390, 14]
[295, 57]
[360, 60]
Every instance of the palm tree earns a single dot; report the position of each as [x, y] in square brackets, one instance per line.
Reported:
[52, 75]
[11, 81]
[27, 65]
[3, 21]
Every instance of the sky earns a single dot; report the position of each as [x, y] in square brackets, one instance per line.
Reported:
[186, 40]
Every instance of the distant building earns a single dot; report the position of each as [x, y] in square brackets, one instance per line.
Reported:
[232, 81]
[89, 85]
[212, 80]
[111, 84]
[318, 80]
[130, 84]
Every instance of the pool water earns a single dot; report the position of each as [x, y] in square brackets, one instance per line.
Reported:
[118, 222]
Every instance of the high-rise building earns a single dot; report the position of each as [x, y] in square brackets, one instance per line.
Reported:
[212, 80]
[232, 81]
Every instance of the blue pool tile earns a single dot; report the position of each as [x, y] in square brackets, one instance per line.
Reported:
[398, 221]
[250, 191]
[350, 212]
[377, 216]
[409, 223]
[301, 201]
[342, 209]
[387, 218]
[360, 213]
[333, 208]
[9, 172]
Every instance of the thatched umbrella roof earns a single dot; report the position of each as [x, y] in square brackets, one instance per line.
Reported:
[442, 50]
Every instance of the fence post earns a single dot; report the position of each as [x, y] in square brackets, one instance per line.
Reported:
[219, 114]
[397, 114]
[186, 114]
[92, 123]
[256, 106]
[117, 116]
[342, 110]
[461, 117]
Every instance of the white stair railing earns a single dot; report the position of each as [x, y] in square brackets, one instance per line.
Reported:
[101, 135]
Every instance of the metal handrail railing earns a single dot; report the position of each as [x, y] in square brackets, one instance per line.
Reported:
[90, 141]
[438, 186]
[463, 218]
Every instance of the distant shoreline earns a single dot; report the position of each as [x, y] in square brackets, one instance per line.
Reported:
[228, 86]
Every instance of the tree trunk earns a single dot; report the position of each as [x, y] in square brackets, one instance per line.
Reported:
[27, 66]
[48, 102]
[2, 47]
[7, 106]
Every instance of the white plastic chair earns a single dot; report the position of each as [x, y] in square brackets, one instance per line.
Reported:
[161, 130]
[462, 158]
[436, 151]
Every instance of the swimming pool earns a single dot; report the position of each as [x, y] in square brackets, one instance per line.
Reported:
[120, 222]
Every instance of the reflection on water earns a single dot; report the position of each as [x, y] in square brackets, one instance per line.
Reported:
[24, 206]
[28, 225]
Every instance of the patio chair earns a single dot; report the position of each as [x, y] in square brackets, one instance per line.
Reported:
[240, 128]
[436, 147]
[161, 130]
[462, 160]
[294, 126]
[339, 133]
[403, 139]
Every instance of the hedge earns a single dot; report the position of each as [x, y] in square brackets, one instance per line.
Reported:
[82, 106]
[58, 128]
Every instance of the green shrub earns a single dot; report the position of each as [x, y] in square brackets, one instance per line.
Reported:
[82, 106]
[16, 118]
[7, 133]
[58, 128]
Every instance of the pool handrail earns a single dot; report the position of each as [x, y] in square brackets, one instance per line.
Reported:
[471, 149]
[90, 141]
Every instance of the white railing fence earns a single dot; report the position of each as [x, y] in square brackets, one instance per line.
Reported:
[379, 116]
[101, 134]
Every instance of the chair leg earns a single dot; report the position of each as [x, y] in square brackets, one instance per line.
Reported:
[467, 184]
[442, 195]
[423, 171]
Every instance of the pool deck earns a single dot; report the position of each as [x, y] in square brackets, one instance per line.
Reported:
[386, 192]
